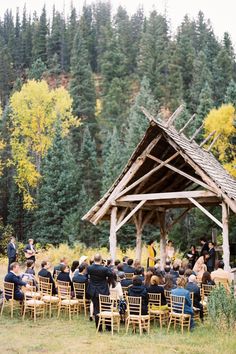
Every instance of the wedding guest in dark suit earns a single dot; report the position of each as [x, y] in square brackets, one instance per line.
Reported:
[44, 272]
[81, 276]
[205, 246]
[98, 283]
[63, 261]
[14, 277]
[11, 252]
[212, 257]
[139, 290]
[64, 275]
[130, 268]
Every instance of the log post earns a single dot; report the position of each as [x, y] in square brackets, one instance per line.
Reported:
[163, 234]
[112, 238]
[139, 231]
[225, 222]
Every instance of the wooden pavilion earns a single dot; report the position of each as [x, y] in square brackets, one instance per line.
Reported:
[167, 170]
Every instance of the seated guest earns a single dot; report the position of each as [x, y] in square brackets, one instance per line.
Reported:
[123, 281]
[169, 283]
[181, 272]
[175, 272]
[156, 288]
[14, 277]
[139, 272]
[147, 278]
[74, 267]
[116, 286]
[181, 291]
[130, 268]
[116, 264]
[137, 289]
[167, 270]
[137, 264]
[64, 275]
[220, 273]
[29, 274]
[206, 279]
[200, 264]
[193, 288]
[110, 263]
[120, 268]
[63, 261]
[187, 273]
[81, 276]
[44, 272]
[125, 259]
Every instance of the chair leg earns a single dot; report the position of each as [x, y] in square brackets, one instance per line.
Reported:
[140, 327]
[59, 310]
[127, 326]
[112, 324]
[3, 303]
[99, 324]
[182, 325]
[168, 328]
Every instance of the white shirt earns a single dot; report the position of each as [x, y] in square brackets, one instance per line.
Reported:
[118, 290]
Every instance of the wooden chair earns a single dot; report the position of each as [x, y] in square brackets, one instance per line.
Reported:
[8, 298]
[129, 275]
[224, 282]
[65, 301]
[154, 309]
[134, 315]
[177, 314]
[51, 302]
[80, 294]
[108, 314]
[43, 279]
[196, 310]
[167, 296]
[33, 305]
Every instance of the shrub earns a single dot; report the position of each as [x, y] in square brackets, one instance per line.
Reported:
[222, 308]
[5, 233]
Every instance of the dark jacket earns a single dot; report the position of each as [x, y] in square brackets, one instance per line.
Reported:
[57, 267]
[98, 276]
[80, 278]
[188, 309]
[126, 282]
[157, 289]
[125, 267]
[205, 247]
[140, 291]
[193, 288]
[129, 269]
[175, 275]
[65, 276]
[211, 260]
[16, 280]
[28, 247]
[46, 274]
[11, 251]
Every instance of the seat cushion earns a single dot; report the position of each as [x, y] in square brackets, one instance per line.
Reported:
[48, 298]
[143, 317]
[159, 312]
[34, 302]
[32, 294]
[69, 302]
[180, 314]
[108, 314]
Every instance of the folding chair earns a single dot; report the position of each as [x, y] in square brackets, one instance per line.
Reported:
[177, 314]
[65, 301]
[108, 314]
[33, 305]
[51, 302]
[8, 298]
[80, 294]
[167, 296]
[196, 310]
[155, 310]
[134, 315]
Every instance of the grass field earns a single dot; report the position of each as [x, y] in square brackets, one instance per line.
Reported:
[79, 336]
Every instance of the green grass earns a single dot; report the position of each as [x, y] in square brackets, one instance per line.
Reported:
[79, 336]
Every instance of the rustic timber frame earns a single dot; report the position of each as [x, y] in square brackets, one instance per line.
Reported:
[167, 170]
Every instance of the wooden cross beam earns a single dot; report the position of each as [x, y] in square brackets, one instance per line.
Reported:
[174, 116]
[138, 206]
[188, 122]
[214, 141]
[195, 180]
[207, 138]
[169, 227]
[205, 211]
[196, 132]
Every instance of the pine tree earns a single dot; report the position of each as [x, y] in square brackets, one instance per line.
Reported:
[82, 87]
[37, 70]
[7, 73]
[230, 96]
[58, 193]
[86, 24]
[40, 31]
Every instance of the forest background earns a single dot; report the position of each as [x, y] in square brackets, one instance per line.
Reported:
[71, 88]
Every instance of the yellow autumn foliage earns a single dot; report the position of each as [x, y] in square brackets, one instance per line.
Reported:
[36, 110]
[222, 121]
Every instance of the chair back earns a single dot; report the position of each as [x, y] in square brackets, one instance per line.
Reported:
[105, 303]
[154, 300]
[167, 295]
[65, 283]
[64, 292]
[177, 304]
[206, 290]
[134, 305]
[43, 279]
[79, 290]
[45, 288]
[223, 282]
[30, 293]
[8, 290]
[129, 275]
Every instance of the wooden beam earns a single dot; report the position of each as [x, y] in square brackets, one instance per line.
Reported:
[112, 238]
[196, 132]
[138, 206]
[207, 138]
[134, 184]
[163, 236]
[167, 195]
[123, 182]
[139, 231]
[188, 122]
[225, 222]
[122, 215]
[213, 142]
[169, 227]
[199, 206]
[148, 115]
[174, 116]
[182, 173]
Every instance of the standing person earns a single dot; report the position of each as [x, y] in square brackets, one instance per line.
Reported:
[98, 283]
[204, 244]
[170, 251]
[192, 255]
[30, 250]
[151, 254]
[212, 257]
[11, 252]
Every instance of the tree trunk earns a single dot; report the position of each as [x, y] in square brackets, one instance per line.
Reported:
[112, 238]
[225, 222]
[163, 234]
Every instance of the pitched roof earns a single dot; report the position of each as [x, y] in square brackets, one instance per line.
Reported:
[192, 159]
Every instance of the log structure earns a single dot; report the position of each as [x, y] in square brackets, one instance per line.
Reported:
[167, 170]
